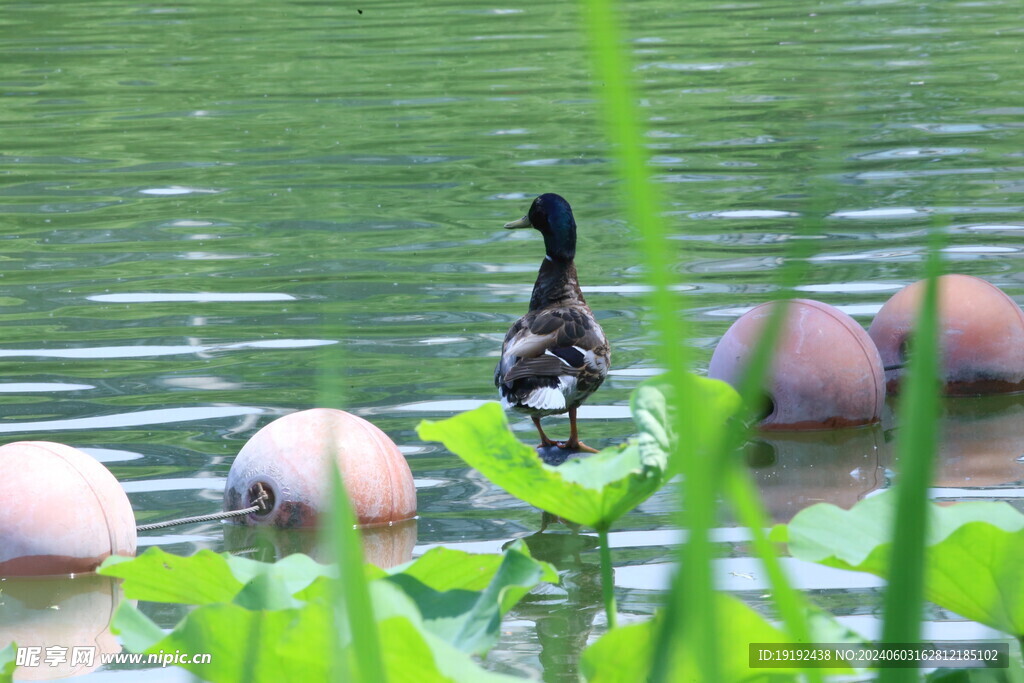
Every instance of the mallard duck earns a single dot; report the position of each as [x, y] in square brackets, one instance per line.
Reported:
[556, 355]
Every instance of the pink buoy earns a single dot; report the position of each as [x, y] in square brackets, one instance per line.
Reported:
[981, 335]
[289, 459]
[62, 512]
[825, 371]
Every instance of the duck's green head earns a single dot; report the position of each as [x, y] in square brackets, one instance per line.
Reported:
[552, 215]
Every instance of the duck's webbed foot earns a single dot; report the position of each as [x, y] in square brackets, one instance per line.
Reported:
[574, 443]
[577, 445]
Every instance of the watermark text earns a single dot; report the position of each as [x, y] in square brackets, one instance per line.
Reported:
[86, 655]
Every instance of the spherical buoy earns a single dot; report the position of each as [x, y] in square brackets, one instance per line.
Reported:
[825, 371]
[62, 512]
[981, 335]
[289, 460]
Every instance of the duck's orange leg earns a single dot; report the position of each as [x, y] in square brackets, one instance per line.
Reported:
[574, 443]
[545, 442]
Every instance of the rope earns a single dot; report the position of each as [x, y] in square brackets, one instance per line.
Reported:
[200, 518]
[260, 505]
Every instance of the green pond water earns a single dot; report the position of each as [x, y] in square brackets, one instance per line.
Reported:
[206, 209]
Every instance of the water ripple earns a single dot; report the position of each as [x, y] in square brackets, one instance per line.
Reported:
[40, 387]
[152, 350]
[138, 418]
[192, 297]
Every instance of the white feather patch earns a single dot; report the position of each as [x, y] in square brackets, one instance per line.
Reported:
[546, 398]
[567, 385]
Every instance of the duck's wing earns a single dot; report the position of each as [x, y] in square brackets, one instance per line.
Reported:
[552, 343]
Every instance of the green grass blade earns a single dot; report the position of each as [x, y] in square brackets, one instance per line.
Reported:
[642, 197]
[738, 488]
[823, 162]
[607, 580]
[352, 601]
[791, 604]
[743, 495]
[357, 655]
[643, 202]
[916, 444]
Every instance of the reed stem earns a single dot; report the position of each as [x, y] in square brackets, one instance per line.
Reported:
[608, 580]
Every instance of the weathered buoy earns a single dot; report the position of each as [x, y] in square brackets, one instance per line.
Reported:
[825, 371]
[981, 335]
[289, 459]
[62, 512]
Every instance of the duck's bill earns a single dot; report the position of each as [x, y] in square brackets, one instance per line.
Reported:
[523, 222]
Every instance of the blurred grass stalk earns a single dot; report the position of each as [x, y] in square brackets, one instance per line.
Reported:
[915, 446]
[357, 655]
[690, 620]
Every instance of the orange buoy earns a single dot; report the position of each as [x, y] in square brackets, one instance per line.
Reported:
[62, 512]
[825, 371]
[981, 335]
[289, 459]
